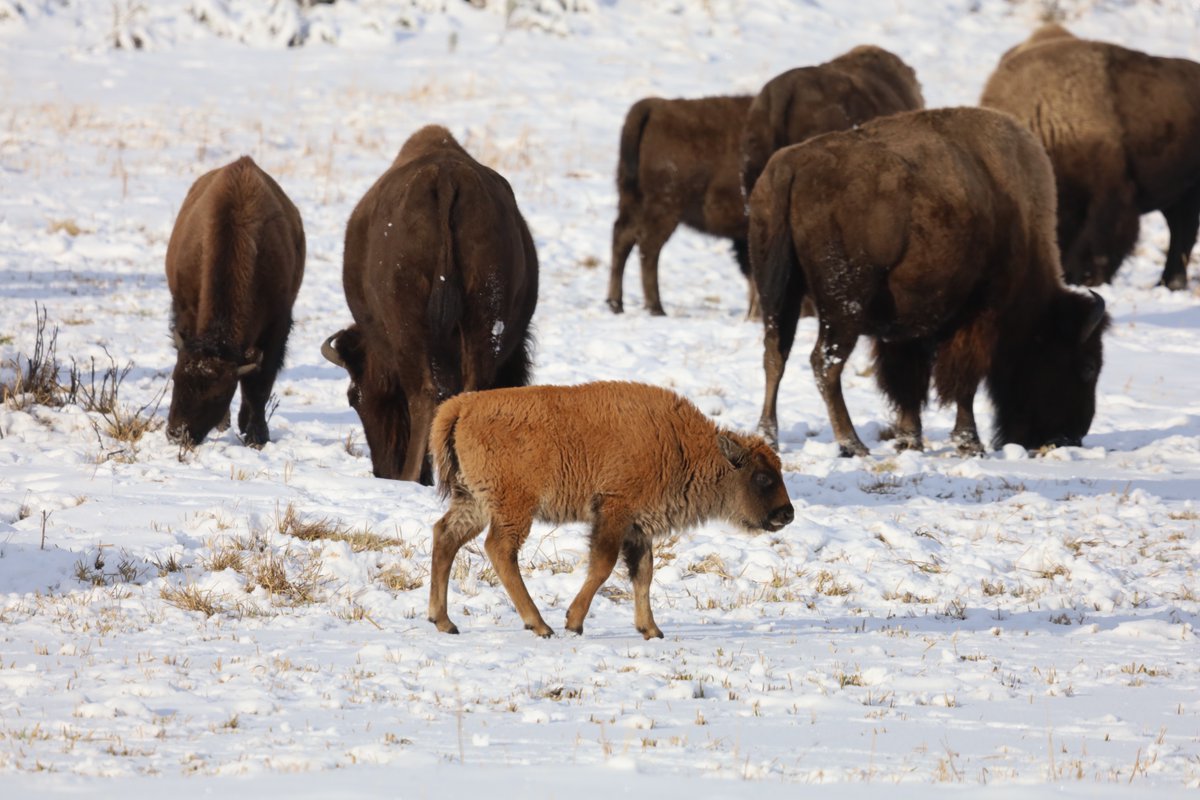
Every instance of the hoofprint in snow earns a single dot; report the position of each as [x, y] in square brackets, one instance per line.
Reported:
[1013, 620]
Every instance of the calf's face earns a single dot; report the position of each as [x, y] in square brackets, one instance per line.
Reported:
[756, 496]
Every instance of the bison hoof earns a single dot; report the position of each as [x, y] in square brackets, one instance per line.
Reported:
[541, 629]
[651, 633]
[1175, 282]
[968, 447]
[907, 441]
[852, 449]
[616, 306]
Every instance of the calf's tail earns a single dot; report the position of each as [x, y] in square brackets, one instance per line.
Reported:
[442, 445]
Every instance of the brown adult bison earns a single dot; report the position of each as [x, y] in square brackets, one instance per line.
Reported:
[933, 232]
[1122, 129]
[234, 265]
[440, 274]
[857, 86]
[635, 461]
[679, 162]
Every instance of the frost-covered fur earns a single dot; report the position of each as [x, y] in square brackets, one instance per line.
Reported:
[1122, 129]
[933, 232]
[440, 274]
[635, 461]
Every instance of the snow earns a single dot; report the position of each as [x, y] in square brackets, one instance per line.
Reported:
[1023, 624]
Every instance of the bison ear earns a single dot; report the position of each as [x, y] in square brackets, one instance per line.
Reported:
[734, 451]
[253, 363]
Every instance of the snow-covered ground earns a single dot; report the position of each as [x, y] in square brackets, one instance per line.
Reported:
[224, 617]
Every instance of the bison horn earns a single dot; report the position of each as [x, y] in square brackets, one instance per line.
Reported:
[1094, 317]
[330, 353]
[178, 340]
[250, 366]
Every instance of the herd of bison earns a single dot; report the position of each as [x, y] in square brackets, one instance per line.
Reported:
[945, 235]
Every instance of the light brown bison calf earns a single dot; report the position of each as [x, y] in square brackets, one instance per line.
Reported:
[679, 162]
[634, 460]
[234, 265]
[1122, 129]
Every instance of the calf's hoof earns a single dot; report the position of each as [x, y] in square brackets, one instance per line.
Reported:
[651, 632]
[541, 629]
[444, 625]
[615, 306]
[656, 311]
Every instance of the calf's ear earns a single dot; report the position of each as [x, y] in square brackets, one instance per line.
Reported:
[733, 450]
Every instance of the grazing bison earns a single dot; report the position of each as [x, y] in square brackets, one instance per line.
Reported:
[857, 86]
[679, 162]
[1122, 129]
[933, 232]
[440, 274]
[234, 265]
[635, 461]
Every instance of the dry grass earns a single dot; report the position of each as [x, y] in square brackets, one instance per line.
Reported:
[189, 598]
[399, 579]
[290, 523]
[827, 584]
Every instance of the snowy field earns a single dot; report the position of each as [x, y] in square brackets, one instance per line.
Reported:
[217, 620]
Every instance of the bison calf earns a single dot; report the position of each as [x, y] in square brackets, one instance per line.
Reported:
[933, 232]
[1122, 129]
[679, 162]
[634, 460]
[234, 265]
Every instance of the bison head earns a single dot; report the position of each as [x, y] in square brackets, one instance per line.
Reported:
[755, 495]
[383, 406]
[204, 387]
[1044, 390]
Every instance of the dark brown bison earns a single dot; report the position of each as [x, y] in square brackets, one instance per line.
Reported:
[440, 274]
[857, 86]
[636, 461]
[1122, 129]
[679, 162]
[933, 232]
[234, 265]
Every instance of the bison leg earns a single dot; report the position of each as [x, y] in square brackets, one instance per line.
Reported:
[958, 369]
[1183, 219]
[639, 558]
[623, 239]
[902, 370]
[462, 523]
[780, 334]
[828, 359]
[655, 233]
[608, 533]
[417, 464]
[1110, 231]
[503, 542]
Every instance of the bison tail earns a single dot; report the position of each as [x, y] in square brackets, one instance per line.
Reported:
[446, 302]
[778, 269]
[631, 145]
[441, 444]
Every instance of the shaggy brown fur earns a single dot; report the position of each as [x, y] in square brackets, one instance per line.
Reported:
[932, 231]
[857, 86]
[635, 461]
[679, 162]
[1122, 129]
[440, 274]
[234, 266]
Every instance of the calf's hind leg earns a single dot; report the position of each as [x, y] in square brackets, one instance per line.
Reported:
[639, 558]
[461, 523]
[608, 534]
[503, 541]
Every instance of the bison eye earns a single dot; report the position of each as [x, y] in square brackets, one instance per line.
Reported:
[763, 480]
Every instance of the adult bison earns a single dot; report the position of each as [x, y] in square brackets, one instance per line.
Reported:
[933, 232]
[635, 461]
[235, 261]
[857, 86]
[679, 162]
[440, 274]
[1122, 129]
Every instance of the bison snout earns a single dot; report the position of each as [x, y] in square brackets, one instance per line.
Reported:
[780, 518]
